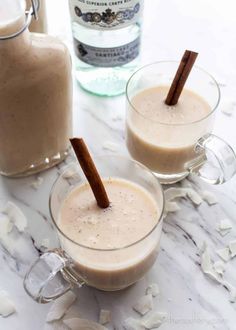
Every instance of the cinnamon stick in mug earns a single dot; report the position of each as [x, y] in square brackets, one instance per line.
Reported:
[181, 77]
[90, 171]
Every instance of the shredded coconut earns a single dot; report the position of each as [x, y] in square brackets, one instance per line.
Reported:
[104, 317]
[232, 247]
[37, 183]
[144, 304]
[153, 289]
[224, 227]
[82, 324]
[207, 269]
[209, 197]
[171, 207]
[219, 267]
[228, 107]
[111, 146]
[7, 306]
[133, 324]
[60, 306]
[207, 265]
[6, 226]
[45, 243]
[16, 216]
[173, 193]
[55, 326]
[71, 172]
[232, 291]
[194, 196]
[224, 254]
[154, 320]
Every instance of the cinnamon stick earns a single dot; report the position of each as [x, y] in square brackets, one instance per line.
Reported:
[181, 77]
[90, 171]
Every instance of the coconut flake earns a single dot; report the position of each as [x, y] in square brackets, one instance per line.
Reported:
[45, 243]
[173, 193]
[60, 306]
[207, 265]
[219, 267]
[5, 226]
[111, 146]
[71, 172]
[7, 307]
[154, 320]
[77, 324]
[91, 221]
[55, 326]
[171, 207]
[144, 304]
[223, 232]
[153, 289]
[209, 197]
[133, 324]
[232, 247]
[232, 291]
[15, 215]
[37, 183]
[228, 107]
[224, 227]
[194, 196]
[225, 224]
[224, 254]
[105, 316]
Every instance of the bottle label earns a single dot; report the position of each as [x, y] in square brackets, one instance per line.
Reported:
[108, 14]
[107, 57]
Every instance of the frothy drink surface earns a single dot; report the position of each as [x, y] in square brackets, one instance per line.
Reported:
[151, 104]
[163, 137]
[133, 213]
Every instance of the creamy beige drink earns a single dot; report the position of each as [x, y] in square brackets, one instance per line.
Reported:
[36, 98]
[132, 215]
[161, 136]
[39, 25]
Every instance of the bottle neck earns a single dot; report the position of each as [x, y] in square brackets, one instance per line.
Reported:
[11, 23]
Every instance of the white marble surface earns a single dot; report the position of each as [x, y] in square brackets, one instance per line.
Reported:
[190, 299]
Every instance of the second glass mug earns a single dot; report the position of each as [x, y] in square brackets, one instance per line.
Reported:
[74, 265]
[190, 147]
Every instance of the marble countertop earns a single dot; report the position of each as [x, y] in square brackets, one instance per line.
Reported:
[190, 298]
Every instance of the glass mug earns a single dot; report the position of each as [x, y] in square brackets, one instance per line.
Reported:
[73, 264]
[172, 151]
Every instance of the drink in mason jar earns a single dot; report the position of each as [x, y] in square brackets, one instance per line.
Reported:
[107, 43]
[35, 94]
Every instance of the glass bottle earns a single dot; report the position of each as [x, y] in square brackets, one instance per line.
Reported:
[39, 25]
[35, 94]
[107, 43]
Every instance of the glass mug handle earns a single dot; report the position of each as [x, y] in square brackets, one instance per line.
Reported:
[51, 276]
[218, 163]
